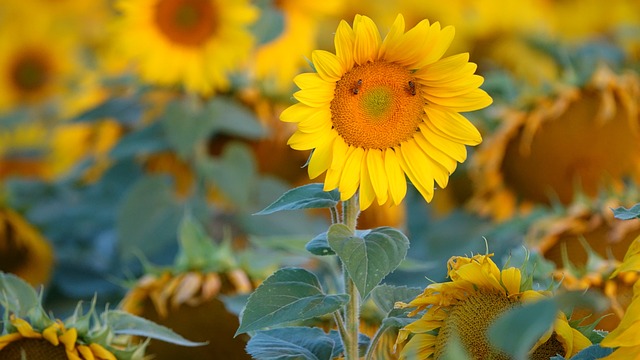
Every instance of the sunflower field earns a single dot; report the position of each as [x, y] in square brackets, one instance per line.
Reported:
[319, 180]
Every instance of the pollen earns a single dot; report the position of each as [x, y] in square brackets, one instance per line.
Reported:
[469, 319]
[377, 105]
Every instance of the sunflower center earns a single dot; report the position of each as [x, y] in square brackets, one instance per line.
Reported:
[186, 22]
[549, 349]
[468, 321]
[13, 254]
[377, 105]
[33, 349]
[29, 72]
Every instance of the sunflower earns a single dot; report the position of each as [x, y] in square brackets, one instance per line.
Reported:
[20, 146]
[188, 298]
[196, 43]
[580, 141]
[476, 295]
[23, 250]
[380, 109]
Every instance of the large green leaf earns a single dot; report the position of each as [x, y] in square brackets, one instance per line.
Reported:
[310, 196]
[196, 247]
[233, 173]
[627, 214]
[385, 296]
[127, 324]
[291, 343]
[592, 352]
[127, 110]
[230, 118]
[186, 124]
[16, 295]
[287, 295]
[148, 217]
[147, 140]
[516, 331]
[370, 256]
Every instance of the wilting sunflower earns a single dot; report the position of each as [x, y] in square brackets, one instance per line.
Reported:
[580, 141]
[23, 250]
[476, 295]
[29, 332]
[196, 43]
[188, 298]
[380, 109]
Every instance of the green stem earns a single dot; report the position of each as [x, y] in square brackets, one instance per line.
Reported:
[350, 212]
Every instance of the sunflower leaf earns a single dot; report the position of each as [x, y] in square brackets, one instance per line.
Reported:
[123, 323]
[126, 110]
[516, 331]
[287, 295]
[627, 214]
[291, 343]
[385, 296]
[16, 295]
[319, 245]
[592, 352]
[310, 196]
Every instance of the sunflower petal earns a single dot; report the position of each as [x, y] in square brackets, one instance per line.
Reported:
[379, 181]
[350, 178]
[327, 65]
[341, 152]
[393, 36]
[320, 160]
[452, 148]
[366, 193]
[101, 352]
[424, 185]
[344, 44]
[367, 40]
[395, 175]
[453, 125]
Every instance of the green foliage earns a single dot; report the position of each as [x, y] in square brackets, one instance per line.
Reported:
[369, 256]
[270, 24]
[627, 214]
[319, 245]
[593, 352]
[147, 140]
[516, 331]
[124, 323]
[385, 296]
[288, 295]
[291, 343]
[149, 216]
[311, 196]
[126, 110]
[17, 296]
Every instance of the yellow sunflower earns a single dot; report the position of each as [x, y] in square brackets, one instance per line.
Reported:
[379, 109]
[196, 43]
[476, 295]
[580, 141]
[19, 147]
[23, 250]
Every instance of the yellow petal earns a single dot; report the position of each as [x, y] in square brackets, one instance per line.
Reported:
[446, 161]
[51, 334]
[69, 339]
[379, 181]
[626, 334]
[410, 46]
[316, 97]
[350, 178]
[393, 36]
[309, 80]
[366, 194]
[297, 112]
[437, 44]
[9, 338]
[339, 155]
[344, 44]
[101, 352]
[308, 141]
[86, 352]
[473, 100]
[444, 68]
[395, 175]
[454, 149]
[421, 346]
[189, 286]
[320, 159]
[25, 329]
[423, 185]
[367, 40]
[453, 125]
[511, 278]
[318, 120]
[327, 65]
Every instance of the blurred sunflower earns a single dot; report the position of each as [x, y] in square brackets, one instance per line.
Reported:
[23, 250]
[21, 147]
[281, 59]
[378, 108]
[29, 332]
[196, 43]
[476, 295]
[187, 298]
[581, 141]
[35, 64]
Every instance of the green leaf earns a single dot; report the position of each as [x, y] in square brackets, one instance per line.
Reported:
[592, 352]
[196, 247]
[288, 295]
[16, 295]
[148, 217]
[385, 296]
[291, 343]
[319, 245]
[516, 331]
[363, 344]
[368, 256]
[270, 24]
[186, 124]
[230, 118]
[627, 214]
[147, 140]
[123, 323]
[126, 110]
[309, 196]
[454, 350]
[234, 173]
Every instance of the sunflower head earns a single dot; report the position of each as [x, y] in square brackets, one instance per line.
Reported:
[465, 307]
[379, 109]
[29, 332]
[23, 250]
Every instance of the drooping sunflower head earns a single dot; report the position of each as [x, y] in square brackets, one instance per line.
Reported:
[581, 140]
[196, 43]
[23, 250]
[465, 307]
[29, 332]
[380, 109]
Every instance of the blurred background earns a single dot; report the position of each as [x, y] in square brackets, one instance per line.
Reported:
[117, 118]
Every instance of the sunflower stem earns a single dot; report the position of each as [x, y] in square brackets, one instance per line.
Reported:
[374, 343]
[350, 212]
